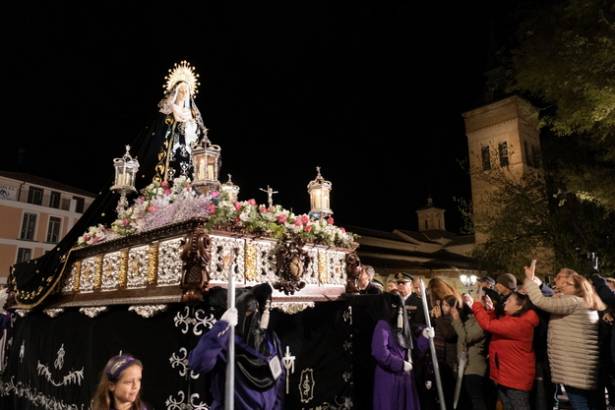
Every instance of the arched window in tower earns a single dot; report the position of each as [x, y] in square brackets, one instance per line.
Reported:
[503, 153]
[486, 157]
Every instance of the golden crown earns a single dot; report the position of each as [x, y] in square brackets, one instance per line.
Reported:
[182, 71]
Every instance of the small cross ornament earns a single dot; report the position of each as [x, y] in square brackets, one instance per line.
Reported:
[289, 365]
[270, 193]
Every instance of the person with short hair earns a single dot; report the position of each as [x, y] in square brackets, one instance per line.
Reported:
[365, 281]
[119, 387]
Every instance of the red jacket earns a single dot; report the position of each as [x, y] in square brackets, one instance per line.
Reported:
[511, 355]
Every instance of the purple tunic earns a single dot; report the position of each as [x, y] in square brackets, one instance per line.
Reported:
[210, 356]
[393, 389]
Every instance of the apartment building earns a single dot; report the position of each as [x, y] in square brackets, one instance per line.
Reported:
[35, 214]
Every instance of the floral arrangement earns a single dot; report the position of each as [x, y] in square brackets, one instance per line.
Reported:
[161, 204]
[95, 234]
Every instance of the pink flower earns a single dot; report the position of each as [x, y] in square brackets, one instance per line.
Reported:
[262, 209]
[211, 209]
[305, 218]
[343, 230]
[86, 237]
[252, 202]
[125, 222]
[237, 206]
[299, 221]
[307, 228]
[282, 218]
[167, 191]
[151, 209]
[165, 184]
[330, 220]
[215, 194]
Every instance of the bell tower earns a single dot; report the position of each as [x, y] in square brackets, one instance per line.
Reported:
[502, 136]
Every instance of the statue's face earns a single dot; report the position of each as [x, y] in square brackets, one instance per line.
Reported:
[182, 93]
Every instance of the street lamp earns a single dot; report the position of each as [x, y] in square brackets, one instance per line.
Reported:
[320, 190]
[126, 169]
[468, 280]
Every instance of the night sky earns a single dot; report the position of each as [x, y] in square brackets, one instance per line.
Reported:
[372, 94]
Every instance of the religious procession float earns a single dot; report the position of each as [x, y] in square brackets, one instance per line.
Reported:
[134, 274]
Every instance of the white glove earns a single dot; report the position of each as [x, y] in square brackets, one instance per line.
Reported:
[230, 316]
[407, 367]
[429, 333]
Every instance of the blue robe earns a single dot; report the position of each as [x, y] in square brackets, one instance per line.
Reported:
[210, 356]
[393, 388]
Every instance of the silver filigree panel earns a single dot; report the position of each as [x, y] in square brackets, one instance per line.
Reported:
[336, 267]
[137, 267]
[69, 283]
[310, 275]
[110, 271]
[221, 246]
[266, 265]
[170, 264]
[88, 271]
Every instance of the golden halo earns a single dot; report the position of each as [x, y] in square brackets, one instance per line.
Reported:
[182, 71]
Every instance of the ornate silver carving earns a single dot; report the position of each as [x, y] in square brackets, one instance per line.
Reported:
[336, 267]
[265, 261]
[138, 267]
[292, 307]
[69, 283]
[181, 361]
[92, 312]
[21, 312]
[220, 246]
[147, 311]
[110, 271]
[310, 276]
[88, 272]
[53, 312]
[170, 265]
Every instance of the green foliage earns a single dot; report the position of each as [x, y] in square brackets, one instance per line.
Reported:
[565, 62]
[528, 220]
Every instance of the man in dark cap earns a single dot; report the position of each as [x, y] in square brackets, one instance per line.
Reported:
[505, 285]
[259, 381]
[486, 282]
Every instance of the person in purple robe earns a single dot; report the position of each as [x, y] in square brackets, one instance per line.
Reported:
[393, 350]
[259, 376]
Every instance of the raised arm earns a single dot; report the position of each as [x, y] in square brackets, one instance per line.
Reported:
[561, 305]
[508, 326]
